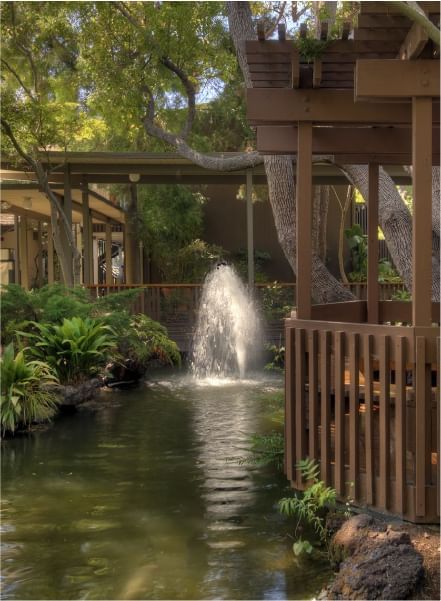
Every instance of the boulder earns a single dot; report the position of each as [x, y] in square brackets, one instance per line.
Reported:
[72, 396]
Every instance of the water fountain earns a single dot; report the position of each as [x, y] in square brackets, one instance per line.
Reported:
[228, 332]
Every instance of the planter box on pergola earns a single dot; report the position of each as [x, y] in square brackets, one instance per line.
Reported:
[362, 387]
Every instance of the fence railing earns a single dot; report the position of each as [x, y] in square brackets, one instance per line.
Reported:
[165, 302]
[363, 401]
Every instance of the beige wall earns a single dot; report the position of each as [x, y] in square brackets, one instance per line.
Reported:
[9, 242]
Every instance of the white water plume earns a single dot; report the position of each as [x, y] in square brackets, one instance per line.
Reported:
[228, 332]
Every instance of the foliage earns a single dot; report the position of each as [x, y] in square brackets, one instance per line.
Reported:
[25, 395]
[277, 301]
[278, 361]
[310, 48]
[357, 242]
[266, 449]
[75, 349]
[147, 341]
[310, 506]
[387, 273]
[240, 262]
[402, 295]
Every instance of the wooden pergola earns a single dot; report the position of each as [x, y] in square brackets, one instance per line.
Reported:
[362, 377]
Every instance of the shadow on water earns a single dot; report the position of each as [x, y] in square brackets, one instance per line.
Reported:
[139, 501]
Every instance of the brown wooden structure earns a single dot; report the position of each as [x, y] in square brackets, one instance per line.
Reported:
[362, 377]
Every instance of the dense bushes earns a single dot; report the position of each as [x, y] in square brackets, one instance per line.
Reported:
[75, 349]
[26, 391]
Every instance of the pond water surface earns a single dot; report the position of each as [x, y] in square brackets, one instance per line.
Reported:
[141, 501]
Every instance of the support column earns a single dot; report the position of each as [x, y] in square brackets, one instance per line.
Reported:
[50, 255]
[109, 276]
[422, 211]
[141, 263]
[87, 237]
[95, 260]
[372, 249]
[304, 220]
[250, 228]
[67, 207]
[17, 250]
[40, 255]
[24, 267]
[130, 250]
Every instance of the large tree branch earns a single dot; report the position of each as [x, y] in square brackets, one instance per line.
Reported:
[413, 11]
[11, 70]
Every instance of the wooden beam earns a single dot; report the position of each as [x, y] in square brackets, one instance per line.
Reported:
[87, 237]
[304, 221]
[422, 212]
[383, 21]
[24, 265]
[50, 254]
[261, 31]
[372, 275]
[317, 73]
[284, 106]
[282, 139]
[109, 275]
[250, 228]
[16, 250]
[379, 33]
[346, 30]
[388, 8]
[414, 43]
[303, 30]
[324, 25]
[40, 254]
[281, 32]
[396, 78]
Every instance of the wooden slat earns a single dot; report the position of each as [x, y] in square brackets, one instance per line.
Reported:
[380, 34]
[383, 493]
[317, 73]
[339, 362]
[362, 47]
[354, 430]
[290, 376]
[369, 426]
[270, 69]
[438, 434]
[300, 430]
[414, 43]
[372, 276]
[338, 76]
[268, 76]
[378, 78]
[422, 211]
[269, 47]
[304, 220]
[421, 430]
[400, 425]
[325, 417]
[313, 393]
[384, 21]
[387, 8]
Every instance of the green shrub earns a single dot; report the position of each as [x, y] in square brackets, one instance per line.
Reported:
[278, 358]
[311, 506]
[266, 449]
[147, 341]
[25, 393]
[75, 349]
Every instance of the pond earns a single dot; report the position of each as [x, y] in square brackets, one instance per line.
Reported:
[141, 500]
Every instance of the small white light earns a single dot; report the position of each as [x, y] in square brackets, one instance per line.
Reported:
[27, 202]
[134, 177]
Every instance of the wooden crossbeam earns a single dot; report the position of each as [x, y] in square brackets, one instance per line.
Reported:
[285, 106]
[355, 141]
[396, 78]
[317, 73]
[414, 43]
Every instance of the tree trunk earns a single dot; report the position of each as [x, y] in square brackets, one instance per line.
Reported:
[396, 222]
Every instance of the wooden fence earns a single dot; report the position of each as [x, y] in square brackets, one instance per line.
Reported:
[363, 401]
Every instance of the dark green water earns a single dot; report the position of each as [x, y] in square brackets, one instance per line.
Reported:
[138, 501]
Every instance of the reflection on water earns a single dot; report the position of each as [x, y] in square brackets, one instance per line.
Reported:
[140, 501]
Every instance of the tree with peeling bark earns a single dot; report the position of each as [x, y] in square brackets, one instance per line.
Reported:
[155, 76]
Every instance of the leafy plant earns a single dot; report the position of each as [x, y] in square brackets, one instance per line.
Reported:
[310, 48]
[146, 341]
[386, 273]
[278, 361]
[26, 396]
[75, 349]
[310, 506]
[277, 301]
[357, 242]
[266, 449]
[402, 295]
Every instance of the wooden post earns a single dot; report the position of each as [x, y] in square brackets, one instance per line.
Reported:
[87, 237]
[372, 275]
[24, 267]
[17, 250]
[304, 220]
[250, 228]
[40, 256]
[109, 275]
[422, 211]
[50, 255]
[141, 263]
[67, 206]
[130, 250]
